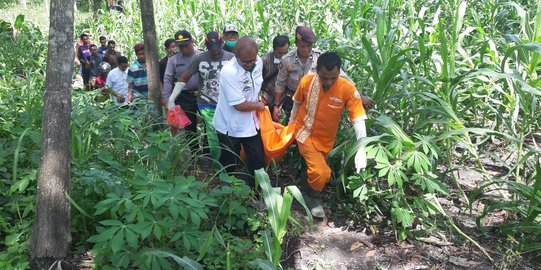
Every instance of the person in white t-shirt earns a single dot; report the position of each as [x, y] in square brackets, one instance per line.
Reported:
[236, 119]
[117, 82]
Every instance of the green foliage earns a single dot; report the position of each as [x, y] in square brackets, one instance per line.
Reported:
[279, 213]
[408, 166]
[19, 136]
[447, 77]
[525, 209]
[178, 213]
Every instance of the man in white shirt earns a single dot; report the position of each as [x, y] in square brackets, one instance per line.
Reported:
[236, 119]
[117, 82]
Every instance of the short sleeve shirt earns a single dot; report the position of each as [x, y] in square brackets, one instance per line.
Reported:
[176, 65]
[112, 58]
[291, 70]
[342, 95]
[209, 76]
[137, 74]
[162, 65]
[117, 80]
[238, 85]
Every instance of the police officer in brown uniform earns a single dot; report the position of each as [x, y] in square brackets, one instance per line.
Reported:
[293, 67]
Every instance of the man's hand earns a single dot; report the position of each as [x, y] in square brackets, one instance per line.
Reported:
[276, 113]
[367, 102]
[119, 98]
[360, 159]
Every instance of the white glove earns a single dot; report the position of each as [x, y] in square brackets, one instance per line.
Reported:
[360, 156]
[176, 91]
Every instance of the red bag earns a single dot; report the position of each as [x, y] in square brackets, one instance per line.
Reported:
[177, 117]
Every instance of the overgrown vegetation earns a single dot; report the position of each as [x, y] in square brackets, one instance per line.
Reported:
[456, 85]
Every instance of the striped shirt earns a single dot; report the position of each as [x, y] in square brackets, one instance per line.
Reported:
[137, 74]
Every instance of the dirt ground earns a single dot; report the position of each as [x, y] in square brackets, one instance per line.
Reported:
[337, 243]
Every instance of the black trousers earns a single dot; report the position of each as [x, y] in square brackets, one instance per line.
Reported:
[253, 148]
[287, 103]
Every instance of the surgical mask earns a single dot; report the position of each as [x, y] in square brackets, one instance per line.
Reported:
[230, 43]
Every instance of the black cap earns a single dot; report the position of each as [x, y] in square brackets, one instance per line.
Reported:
[183, 37]
[213, 40]
[305, 34]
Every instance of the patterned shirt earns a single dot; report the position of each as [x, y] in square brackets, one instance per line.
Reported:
[270, 72]
[137, 74]
[209, 77]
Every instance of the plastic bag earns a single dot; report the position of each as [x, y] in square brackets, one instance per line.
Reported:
[177, 117]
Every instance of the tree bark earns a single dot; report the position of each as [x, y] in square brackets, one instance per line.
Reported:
[151, 52]
[51, 235]
[96, 5]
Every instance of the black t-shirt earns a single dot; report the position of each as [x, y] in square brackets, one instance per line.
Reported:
[163, 65]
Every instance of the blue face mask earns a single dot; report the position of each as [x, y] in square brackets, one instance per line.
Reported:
[230, 44]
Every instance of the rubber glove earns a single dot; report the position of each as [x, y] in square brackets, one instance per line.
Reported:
[360, 156]
[176, 91]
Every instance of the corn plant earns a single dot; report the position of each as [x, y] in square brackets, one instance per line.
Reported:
[526, 209]
[279, 213]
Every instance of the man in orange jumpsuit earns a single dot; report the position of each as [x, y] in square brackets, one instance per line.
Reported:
[318, 103]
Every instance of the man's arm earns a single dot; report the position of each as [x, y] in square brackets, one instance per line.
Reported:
[130, 92]
[168, 80]
[248, 106]
[294, 112]
[279, 89]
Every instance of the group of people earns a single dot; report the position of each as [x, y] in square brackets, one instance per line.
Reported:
[102, 67]
[227, 85]
[233, 83]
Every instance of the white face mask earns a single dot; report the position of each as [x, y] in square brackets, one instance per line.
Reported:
[276, 60]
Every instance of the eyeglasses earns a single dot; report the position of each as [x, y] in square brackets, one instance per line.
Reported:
[248, 62]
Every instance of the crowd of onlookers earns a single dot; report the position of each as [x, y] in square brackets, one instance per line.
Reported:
[228, 85]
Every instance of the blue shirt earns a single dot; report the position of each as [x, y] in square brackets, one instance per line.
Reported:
[137, 74]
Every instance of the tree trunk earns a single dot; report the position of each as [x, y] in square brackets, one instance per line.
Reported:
[151, 52]
[96, 5]
[51, 236]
